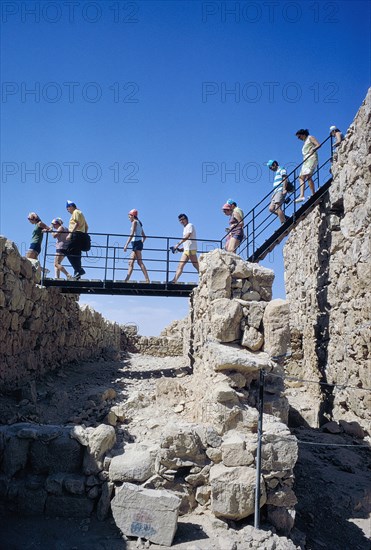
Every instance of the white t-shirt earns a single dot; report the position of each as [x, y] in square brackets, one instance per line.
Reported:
[189, 244]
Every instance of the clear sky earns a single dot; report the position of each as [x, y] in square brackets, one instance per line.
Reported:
[167, 107]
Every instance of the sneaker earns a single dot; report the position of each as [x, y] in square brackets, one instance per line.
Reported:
[77, 276]
[70, 277]
[286, 218]
[300, 199]
[82, 272]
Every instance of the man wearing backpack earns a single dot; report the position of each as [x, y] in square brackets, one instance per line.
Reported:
[76, 239]
[280, 190]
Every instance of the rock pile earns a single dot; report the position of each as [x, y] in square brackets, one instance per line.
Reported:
[330, 297]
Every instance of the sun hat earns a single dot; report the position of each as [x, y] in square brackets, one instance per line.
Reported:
[133, 212]
[32, 216]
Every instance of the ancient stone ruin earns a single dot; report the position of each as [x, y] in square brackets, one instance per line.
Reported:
[190, 444]
[202, 445]
[329, 296]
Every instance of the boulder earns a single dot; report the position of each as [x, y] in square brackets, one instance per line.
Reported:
[233, 491]
[223, 357]
[276, 328]
[225, 318]
[136, 464]
[146, 513]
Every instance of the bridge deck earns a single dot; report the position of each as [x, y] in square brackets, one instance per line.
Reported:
[131, 288]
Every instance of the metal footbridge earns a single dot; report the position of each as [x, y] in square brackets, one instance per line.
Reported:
[106, 264]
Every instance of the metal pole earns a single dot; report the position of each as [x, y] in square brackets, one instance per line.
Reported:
[258, 453]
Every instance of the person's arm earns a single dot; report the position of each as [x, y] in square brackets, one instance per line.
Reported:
[185, 238]
[43, 225]
[338, 139]
[143, 236]
[284, 179]
[313, 140]
[133, 226]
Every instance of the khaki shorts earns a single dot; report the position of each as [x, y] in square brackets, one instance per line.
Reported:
[190, 252]
[277, 199]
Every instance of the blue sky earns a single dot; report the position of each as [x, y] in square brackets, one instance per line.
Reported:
[120, 105]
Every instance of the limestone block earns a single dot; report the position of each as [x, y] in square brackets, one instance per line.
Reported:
[15, 452]
[146, 513]
[215, 455]
[104, 502]
[54, 484]
[136, 464]
[233, 490]
[352, 428]
[252, 339]
[26, 268]
[219, 282]
[254, 313]
[61, 454]
[68, 506]
[285, 497]
[232, 358]
[242, 270]
[181, 446]
[12, 257]
[74, 484]
[276, 328]
[101, 440]
[203, 495]
[282, 519]
[280, 448]
[225, 318]
[251, 296]
[234, 451]
[223, 393]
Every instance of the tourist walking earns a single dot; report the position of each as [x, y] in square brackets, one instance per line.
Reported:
[36, 238]
[310, 158]
[337, 136]
[279, 190]
[137, 238]
[76, 238]
[60, 233]
[189, 248]
[235, 233]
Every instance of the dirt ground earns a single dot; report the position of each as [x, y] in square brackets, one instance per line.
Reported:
[333, 483]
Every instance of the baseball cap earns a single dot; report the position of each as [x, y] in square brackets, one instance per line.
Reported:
[270, 163]
[332, 128]
[70, 203]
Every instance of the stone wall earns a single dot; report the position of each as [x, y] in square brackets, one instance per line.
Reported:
[168, 344]
[54, 470]
[328, 273]
[238, 331]
[40, 329]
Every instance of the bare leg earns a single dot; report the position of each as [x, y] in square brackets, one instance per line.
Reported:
[311, 184]
[179, 271]
[194, 261]
[141, 265]
[302, 184]
[59, 267]
[131, 266]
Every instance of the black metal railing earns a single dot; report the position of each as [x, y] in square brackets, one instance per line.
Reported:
[259, 223]
[107, 261]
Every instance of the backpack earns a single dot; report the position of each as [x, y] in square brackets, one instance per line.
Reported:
[289, 186]
[86, 245]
